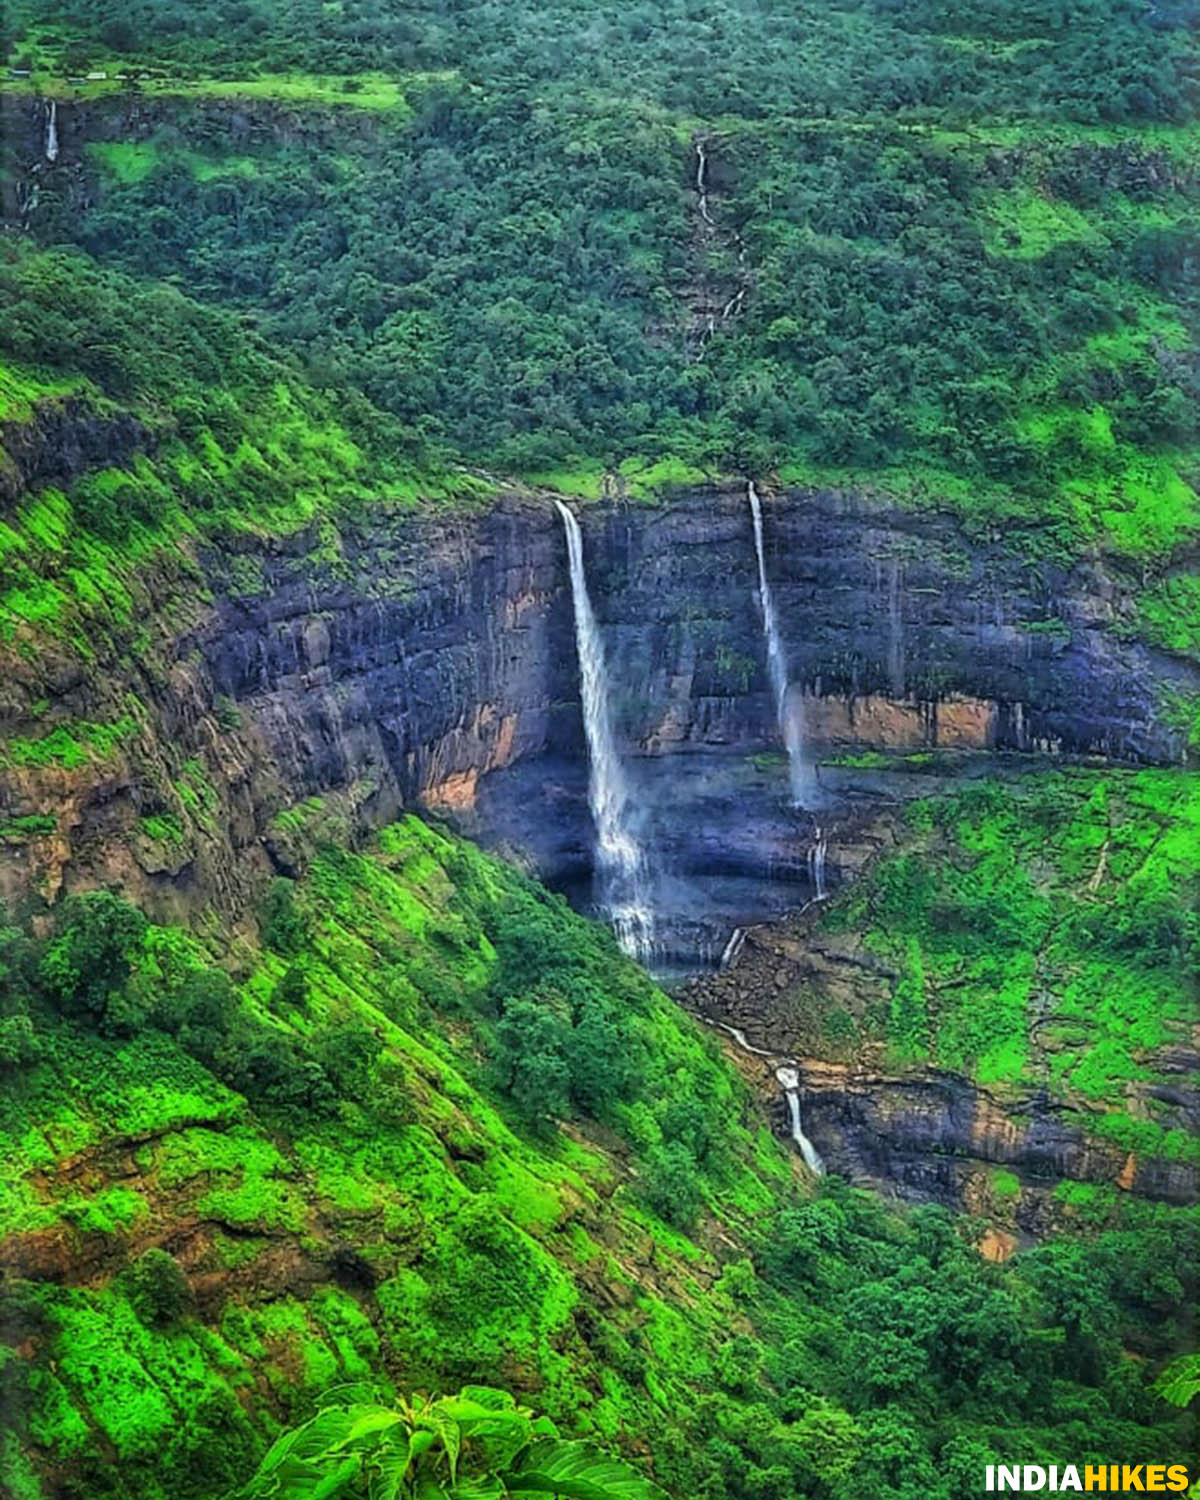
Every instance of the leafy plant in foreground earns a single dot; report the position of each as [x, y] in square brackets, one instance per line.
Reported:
[478, 1445]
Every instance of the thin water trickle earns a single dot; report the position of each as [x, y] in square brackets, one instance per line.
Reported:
[733, 947]
[816, 865]
[52, 131]
[787, 707]
[620, 860]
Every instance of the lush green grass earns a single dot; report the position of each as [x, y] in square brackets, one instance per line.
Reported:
[1042, 930]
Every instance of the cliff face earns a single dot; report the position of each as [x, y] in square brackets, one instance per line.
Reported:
[431, 660]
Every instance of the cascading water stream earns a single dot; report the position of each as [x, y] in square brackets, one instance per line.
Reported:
[733, 947]
[52, 131]
[789, 1079]
[620, 862]
[787, 711]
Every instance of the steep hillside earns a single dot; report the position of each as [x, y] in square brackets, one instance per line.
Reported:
[222, 1199]
[999, 1014]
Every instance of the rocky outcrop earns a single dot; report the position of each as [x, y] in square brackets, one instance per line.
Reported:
[921, 1132]
[60, 440]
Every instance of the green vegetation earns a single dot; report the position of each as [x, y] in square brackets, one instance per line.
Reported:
[962, 246]
[301, 270]
[362, 1189]
[1043, 933]
[478, 1443]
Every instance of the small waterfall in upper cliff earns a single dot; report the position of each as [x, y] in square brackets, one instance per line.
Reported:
[52, 132]
[786, 708]
[789, 1079]
[733, 947]
[702, 181]
[620, 862]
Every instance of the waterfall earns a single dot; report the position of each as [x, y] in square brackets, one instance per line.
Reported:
[786, 709]
[816, 865]
[733, 947]
[743, 1041]
[620, 863]
[789, 1079]
[702, 180]
[52, 131]
[788, 1076]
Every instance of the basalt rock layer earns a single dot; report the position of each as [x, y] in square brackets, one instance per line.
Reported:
[430, 660]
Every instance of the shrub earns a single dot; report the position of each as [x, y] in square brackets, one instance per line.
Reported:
[284, 926]
[157, 1287]
[530, 1061]
[18, 1042]
[671, 1184]
[292, 989]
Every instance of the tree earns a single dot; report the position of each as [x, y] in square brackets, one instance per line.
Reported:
[671, 1184]
[478, 1445]
[284, 926]
[89, 962]
[530, 1058]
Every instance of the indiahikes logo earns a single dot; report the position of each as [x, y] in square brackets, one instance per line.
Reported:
[1118, 1479]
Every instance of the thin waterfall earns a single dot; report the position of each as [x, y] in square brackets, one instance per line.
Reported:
[52, 131]
[786, 709]
[816, 865]
[733, 947]
[702, 180]
[620, 862]
[789, 1079]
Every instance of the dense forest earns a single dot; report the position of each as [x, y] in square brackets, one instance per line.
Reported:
[962, 258]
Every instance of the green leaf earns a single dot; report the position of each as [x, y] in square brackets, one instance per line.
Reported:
[333, 1484]
[473, 1419]
[1179, 1383]
[489, 1396]
[576, 1471]
[390, 1466]
[278, 1451]
[485, 1487]
[420, 1442]
[373, 1419]
[447, 1430]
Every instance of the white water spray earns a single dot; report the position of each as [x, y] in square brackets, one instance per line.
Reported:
[621, 865]
[786, 708]
[52, 131]
[789, 1079]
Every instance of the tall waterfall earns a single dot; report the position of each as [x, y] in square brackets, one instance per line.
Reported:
[787, 710]
[52, 131]
[621, 864]
[789, 1079]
